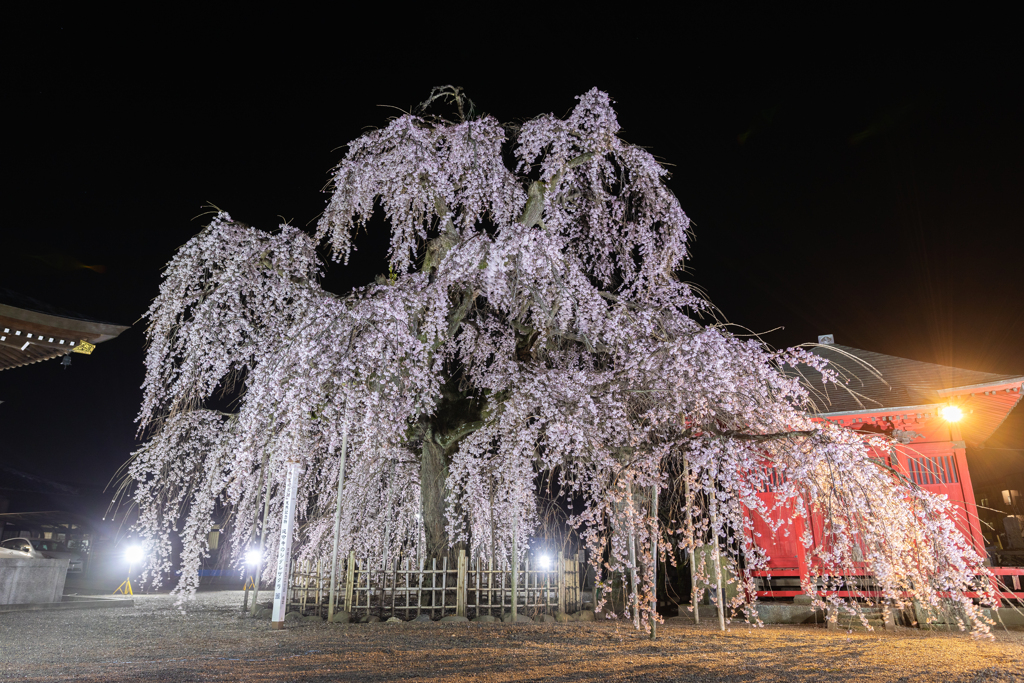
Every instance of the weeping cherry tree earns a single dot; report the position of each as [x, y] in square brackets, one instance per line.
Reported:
[534, 342]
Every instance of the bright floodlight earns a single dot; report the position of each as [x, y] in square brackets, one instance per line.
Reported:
[545, 562]
[133, 554]
[952, 414]
[253, 557]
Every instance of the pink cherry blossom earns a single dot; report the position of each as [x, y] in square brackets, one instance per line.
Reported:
[546, 300]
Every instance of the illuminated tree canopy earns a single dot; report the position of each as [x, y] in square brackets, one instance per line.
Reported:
[534, 345]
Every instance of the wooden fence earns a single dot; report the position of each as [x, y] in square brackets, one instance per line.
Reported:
[405, 590]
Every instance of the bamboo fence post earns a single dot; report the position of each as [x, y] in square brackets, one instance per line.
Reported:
[419, 586]
[562, 571]
[547, 585]
[490, 586]
[433, 587]
[408, 586]
[307, 580]
[567, 581]
[581, 583]
[383, 587]
[460, 585]
[444, 585]
[350, 577]
[572, 588]
[394, 584]
[526, 585]
[410, 562]
[577, 589]
[302, 583]
[479, 580]
[572, 570]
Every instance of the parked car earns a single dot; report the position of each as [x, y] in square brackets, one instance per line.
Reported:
[42, 548]
[19, 547]
[59, 551]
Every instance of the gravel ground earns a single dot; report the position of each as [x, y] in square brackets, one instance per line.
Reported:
[153, 641]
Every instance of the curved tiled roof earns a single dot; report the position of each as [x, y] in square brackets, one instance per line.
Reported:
[31, 331]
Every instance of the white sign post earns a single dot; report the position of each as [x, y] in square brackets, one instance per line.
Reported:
[284, 547]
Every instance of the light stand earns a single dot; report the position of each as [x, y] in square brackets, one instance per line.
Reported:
[134, 556]
[126, 586]
[252, 562]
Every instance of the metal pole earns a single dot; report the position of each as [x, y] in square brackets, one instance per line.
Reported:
[654, 559]
[634, 589]
[515, 572]
[263, 538]
[693, 544]
[284, 547]
[337, 515]
[718, 559]
[252, 534]
[387, 541]
[387, 515]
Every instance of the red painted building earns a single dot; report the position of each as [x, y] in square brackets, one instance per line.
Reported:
[905, 399]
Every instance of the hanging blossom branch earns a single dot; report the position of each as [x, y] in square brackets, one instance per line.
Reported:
[533, 329]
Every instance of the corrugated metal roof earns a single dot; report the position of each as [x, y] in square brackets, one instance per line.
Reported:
[879, 383]
[12, 479]
[877, 380]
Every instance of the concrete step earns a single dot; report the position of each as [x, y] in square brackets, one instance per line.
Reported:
[857, 625]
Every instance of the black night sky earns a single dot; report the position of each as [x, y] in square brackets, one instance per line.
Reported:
[868, 185]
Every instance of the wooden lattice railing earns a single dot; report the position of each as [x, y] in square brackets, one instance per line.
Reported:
[462, 588]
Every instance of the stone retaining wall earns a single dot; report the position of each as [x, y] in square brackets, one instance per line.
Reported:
[29, 580]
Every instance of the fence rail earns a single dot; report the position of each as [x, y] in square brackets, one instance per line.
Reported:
[401, 588]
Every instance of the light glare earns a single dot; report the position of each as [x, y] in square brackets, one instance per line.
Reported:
[545, 562]
[253, 557]
[952, 414]
[133, 554]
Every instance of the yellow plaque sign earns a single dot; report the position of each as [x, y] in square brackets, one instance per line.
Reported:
[83, 347]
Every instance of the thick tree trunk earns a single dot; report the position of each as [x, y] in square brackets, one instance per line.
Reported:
[433, 477]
